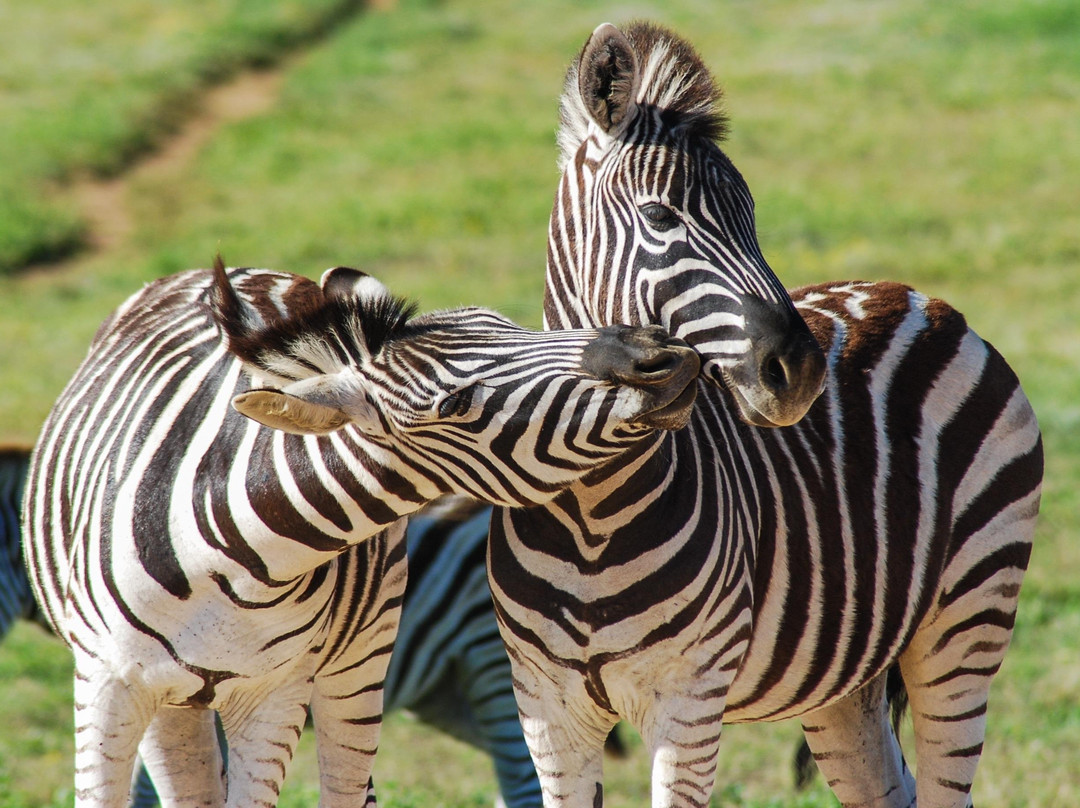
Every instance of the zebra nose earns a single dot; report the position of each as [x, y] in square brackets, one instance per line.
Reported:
[798, 368]
[641, 357]
[782, 373]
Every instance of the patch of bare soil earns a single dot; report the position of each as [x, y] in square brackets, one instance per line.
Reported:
[104, 202]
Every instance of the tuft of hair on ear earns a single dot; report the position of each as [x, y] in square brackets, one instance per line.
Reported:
[670, 78]
[607, 77]
[224, 302]
[230, 313]
[677, 82]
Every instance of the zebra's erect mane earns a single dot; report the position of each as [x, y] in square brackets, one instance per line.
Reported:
[674, 80]
[321, 334]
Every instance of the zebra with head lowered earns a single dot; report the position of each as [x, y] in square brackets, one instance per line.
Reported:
[196, 561]
[732, 573]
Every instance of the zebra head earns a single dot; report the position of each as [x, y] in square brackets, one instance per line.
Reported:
[652, 223]
[464, 399]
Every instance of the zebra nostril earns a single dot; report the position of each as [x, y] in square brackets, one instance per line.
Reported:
[774, 372]
[662, 362]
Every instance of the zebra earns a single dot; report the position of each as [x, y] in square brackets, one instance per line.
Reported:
[736, 572]
[16, 600]
[449, 667]
[195, 560]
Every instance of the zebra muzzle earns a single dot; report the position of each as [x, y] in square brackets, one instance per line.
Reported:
[661, 367]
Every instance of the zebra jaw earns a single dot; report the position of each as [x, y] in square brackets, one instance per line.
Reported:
[758, 406]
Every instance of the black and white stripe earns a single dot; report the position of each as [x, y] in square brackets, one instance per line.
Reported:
[733, 573]
[449, 666]
[196, 561]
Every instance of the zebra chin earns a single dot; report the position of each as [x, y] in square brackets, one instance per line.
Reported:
[765, 404]
[672, 416]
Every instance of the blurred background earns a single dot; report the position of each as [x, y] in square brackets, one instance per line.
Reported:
[930, 143]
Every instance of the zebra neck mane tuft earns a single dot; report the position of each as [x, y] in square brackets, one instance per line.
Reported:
[322, 335]
[674, 81]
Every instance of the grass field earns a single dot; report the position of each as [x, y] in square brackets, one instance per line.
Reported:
[935, 144]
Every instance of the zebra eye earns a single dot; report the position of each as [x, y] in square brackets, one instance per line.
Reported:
[661, 217]
[456, 404]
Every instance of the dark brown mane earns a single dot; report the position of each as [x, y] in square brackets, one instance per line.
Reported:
[676, 81]
[349, 326]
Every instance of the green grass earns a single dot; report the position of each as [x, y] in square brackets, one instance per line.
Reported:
[930, 143]
[88, 88]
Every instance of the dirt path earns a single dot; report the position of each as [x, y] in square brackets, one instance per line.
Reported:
[104, 203]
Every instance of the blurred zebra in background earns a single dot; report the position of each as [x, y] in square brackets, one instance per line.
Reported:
[16, 597]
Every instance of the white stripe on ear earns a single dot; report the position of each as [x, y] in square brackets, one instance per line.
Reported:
[342, 281]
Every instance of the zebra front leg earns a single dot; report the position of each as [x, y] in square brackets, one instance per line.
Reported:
[858, 752]
[182, 755]
[565, 731]
[110, 718]
[347, 713]
[569, 758]
[261, 732]
[683, 738]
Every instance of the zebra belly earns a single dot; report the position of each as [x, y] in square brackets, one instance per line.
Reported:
[199, 647]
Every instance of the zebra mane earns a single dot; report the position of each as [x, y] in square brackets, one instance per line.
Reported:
[673, 80]
[321, 333]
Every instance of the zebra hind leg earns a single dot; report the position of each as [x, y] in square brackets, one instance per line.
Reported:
[948, 668]
[857, 750]
[183, 758]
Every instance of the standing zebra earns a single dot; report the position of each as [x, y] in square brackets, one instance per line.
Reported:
[729, 572]
[194, 560]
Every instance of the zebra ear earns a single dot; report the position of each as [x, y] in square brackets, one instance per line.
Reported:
[608, 79]
[315, 406]
[349, 282]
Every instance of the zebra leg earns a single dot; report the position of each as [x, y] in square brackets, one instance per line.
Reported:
[857, 751]
[565, 731]
[183, 757]
[261, 731]
[948, 668]
[110, 718]
[347, 713]
[683, 738]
